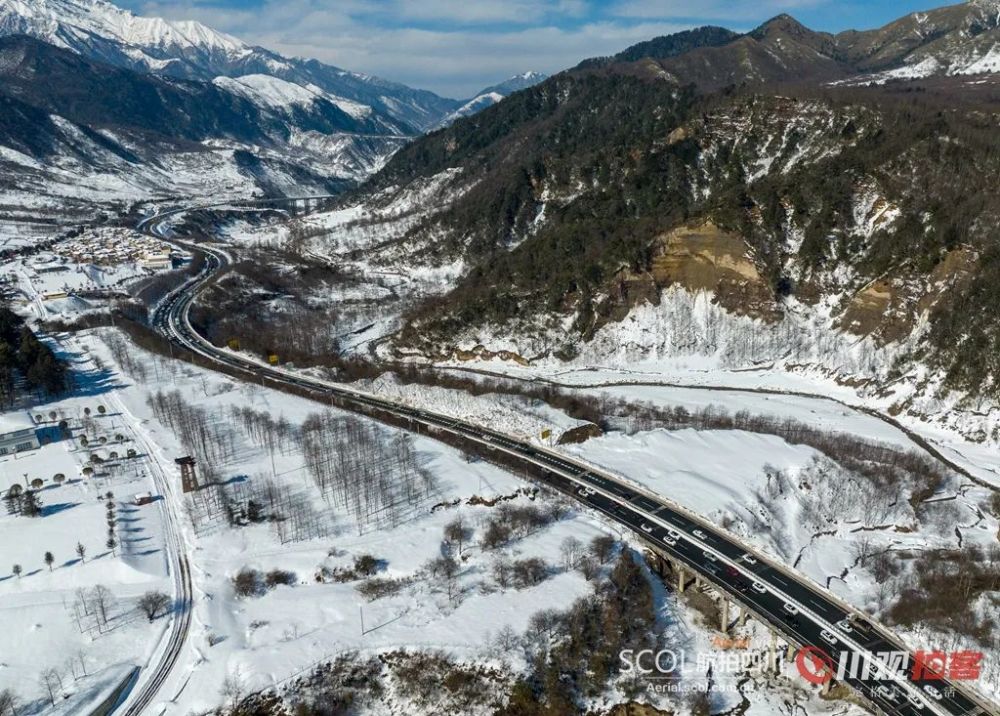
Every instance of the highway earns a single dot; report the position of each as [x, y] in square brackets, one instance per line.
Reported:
[800, 610]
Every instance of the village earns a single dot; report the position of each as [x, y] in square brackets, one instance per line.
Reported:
[97, 264]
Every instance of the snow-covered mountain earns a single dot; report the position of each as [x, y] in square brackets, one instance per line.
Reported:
[959, 39]
[491, 95]
[102, 31]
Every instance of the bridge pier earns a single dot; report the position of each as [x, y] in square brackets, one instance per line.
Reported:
[772, 656]
[725, 615]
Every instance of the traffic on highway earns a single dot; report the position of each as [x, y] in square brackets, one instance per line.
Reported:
[805, 614]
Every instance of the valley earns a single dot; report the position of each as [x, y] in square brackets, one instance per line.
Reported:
[662, 385]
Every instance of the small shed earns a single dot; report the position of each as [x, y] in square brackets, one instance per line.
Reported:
[143, 498]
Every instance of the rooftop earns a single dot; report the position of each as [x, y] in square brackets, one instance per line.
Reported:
[15, 421]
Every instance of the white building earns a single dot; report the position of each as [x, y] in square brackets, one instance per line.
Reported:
[17, 433]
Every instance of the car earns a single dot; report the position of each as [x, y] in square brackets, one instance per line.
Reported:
[828, 637]
[790, 608]
[759, 588]
[861, 623]
[712, 569]
[699, 534]
[646, 528]
[845, 626]
[889, 693]
[933, 691]
[749, 558]
[915, 700]
[669, 541]
[709, 556]
[674, 533]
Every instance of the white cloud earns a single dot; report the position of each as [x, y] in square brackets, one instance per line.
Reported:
[454, 62]
[732, 11]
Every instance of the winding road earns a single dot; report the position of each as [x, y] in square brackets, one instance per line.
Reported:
[802, 612]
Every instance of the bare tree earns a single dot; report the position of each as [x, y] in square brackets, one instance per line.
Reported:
[507, 639]
[589, 567]
[8, 703]
[152, 603]
[570, 549]
[52, 682]
[502, 571]
[455, 532]
[81, 551]
[603, 547]
[100, 600]
[445, 569]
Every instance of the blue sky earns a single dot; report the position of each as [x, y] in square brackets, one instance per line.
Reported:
[455, 47]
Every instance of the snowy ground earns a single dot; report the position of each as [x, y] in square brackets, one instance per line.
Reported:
[45, 629]
[269, 639]
[262, 641]
[807, 395]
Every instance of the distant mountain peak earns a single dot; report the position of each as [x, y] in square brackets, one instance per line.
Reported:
[489, 96]
[784, 25]
[101, 31]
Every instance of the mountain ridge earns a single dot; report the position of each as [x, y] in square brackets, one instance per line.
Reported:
[190, 50]
[844, 199]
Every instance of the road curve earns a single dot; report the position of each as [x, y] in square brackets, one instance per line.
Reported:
[767, 588]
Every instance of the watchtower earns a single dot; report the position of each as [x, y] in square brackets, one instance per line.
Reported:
[189, 478]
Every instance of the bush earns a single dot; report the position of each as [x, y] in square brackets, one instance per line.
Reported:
[366, 565]
[279, 576]
[529, 572]
[378, 587]
[495, 535]
[247, 583]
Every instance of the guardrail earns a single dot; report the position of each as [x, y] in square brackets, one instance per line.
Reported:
[115, 698]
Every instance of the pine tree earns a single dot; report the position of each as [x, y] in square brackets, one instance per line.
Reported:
[49, 559]
[111, 543]
[81, 551]
[31, 506]
[17, 571]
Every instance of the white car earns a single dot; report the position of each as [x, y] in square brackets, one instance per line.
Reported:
[699, 534]
[710, 557]
[933, 691]
[759, 588]
[828, 637]
[674, 534]
[915, 700]
[790, 608]
[845, 626]
[669, 541]
[889, 693]
[646, 528]
[749, 558]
